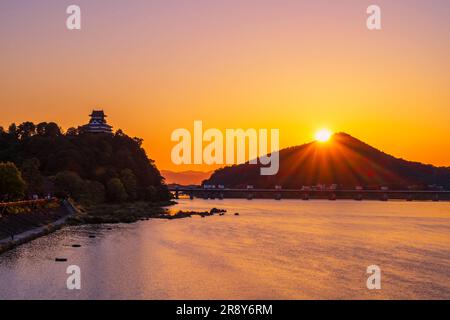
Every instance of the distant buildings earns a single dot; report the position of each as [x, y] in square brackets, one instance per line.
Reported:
[98, 123]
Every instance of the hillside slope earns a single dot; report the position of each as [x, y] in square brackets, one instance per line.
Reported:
[344, 160]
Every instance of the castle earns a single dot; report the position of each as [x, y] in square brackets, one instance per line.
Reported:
[98, 123]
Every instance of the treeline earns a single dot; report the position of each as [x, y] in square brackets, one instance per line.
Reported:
[92, 168]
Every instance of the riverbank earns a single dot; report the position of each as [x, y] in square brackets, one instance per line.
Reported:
[30, 223]
[272, 250]
[120, 213]
[133, 212]
[20, 228]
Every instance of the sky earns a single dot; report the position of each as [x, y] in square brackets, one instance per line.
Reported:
[292, 65]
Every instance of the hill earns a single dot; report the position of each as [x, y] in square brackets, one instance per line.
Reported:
[185, 178]
[88, 166]
[344, 160]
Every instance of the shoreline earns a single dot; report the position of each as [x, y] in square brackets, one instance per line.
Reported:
[103, 214]
[126, 213]
[32, 234]
[134, 212]
[7, 244]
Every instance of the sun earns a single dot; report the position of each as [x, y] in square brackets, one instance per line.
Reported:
[323, 135]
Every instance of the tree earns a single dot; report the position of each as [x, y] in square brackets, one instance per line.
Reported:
[40, 128]
[160, 193]
[93, 192]
[32, 175]
[12, 186]
[130, 183]
[116, 191]
[12, 130]
[119, 133]
[72, 131]
[52, 130]
[69, 182]
[138, 141]
[151, 194]
[90, 157]
[26, 130]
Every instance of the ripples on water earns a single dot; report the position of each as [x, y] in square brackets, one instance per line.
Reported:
[286, 249]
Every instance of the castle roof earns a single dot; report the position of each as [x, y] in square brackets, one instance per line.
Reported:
[97, 123]
[98, 114]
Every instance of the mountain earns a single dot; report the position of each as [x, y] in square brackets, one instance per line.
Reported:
[185, 178]
[344, 160]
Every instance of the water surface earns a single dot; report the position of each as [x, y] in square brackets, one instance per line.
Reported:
[288, 249]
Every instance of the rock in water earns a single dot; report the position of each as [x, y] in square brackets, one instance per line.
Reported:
[215, 210]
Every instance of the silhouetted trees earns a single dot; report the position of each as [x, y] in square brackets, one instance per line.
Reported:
[116, 191]
[12, 186]
[89, 167]
[32, 175]
[69, 182]
[26, 130]
[130, 184]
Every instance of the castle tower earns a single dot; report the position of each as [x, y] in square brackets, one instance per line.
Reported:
[97, 124]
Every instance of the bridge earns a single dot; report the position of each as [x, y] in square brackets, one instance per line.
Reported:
[279, 194]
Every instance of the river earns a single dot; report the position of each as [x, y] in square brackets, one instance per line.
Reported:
[289, 249]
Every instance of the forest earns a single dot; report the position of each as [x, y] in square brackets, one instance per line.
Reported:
[41, 160]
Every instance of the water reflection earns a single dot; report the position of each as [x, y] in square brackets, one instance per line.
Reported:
[273, 250]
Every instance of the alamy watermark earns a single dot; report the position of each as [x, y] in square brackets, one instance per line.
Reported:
[374, 20]
[374, 280]
[74, 280]
[73, 21]
[239, 145]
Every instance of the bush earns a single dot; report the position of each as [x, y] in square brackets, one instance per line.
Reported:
[12, 186]
[116, 190]
[61, 195]
[130, 183]
[32, 175]
[70, 183]
[93, 193]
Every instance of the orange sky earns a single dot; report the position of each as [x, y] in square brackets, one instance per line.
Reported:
[155, 66]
